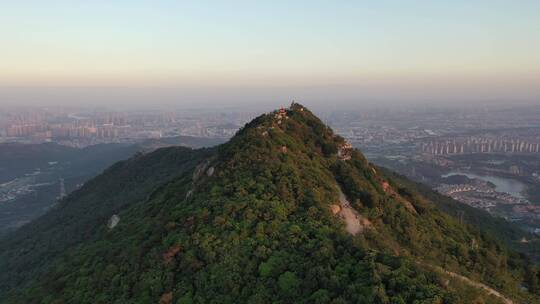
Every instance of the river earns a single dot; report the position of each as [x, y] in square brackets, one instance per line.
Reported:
[502, 184]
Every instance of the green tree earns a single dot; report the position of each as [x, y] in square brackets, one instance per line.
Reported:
[288, 282]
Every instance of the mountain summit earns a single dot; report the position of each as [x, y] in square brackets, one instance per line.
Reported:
[285, 212]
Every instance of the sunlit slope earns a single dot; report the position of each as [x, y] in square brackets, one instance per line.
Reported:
[285, 212]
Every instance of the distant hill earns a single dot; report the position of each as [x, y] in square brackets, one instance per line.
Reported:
[53, 162]
[285, 212]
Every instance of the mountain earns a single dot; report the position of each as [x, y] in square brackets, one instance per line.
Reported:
[31, 174]
[17, 159]
[285, 212]
[509, 233]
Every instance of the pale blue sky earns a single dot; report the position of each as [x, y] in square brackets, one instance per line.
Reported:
[442, 46]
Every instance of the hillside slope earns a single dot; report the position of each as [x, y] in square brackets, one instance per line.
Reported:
[30, 174]
[506, 232]
[27, 252]
[285, 212]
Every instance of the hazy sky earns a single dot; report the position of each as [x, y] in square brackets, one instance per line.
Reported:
[260, 50]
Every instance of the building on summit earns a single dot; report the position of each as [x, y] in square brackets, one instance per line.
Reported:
[345, 151]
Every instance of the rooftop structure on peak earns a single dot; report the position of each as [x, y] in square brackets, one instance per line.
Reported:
[296, 106]
[345, 151]
[281, 114]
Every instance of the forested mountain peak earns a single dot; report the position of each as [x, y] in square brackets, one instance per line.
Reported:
[285, 212]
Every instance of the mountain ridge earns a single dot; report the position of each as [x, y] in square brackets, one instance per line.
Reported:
[254, 222]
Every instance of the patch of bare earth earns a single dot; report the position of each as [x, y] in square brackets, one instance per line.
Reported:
[166, 298]
[169, 255]
[355, 223]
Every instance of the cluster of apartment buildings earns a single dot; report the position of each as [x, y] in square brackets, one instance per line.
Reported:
[61, 131]
[479, 145]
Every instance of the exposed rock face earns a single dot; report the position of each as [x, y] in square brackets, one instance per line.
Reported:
[345, 151]
[113, 221]
[200, 170]
[210, 171]
[335, 209]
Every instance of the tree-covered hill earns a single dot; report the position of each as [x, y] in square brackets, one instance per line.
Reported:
[285, 212]
[28, 252]
[504, 231]
[30, 174]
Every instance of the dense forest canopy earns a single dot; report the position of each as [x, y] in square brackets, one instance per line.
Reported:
[263, 218]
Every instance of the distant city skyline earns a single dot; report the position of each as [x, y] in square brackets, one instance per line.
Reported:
[244, 52]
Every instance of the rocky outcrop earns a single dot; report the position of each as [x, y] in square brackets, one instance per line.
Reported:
[113, 221]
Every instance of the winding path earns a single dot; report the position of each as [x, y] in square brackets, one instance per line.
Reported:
[470, 282]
